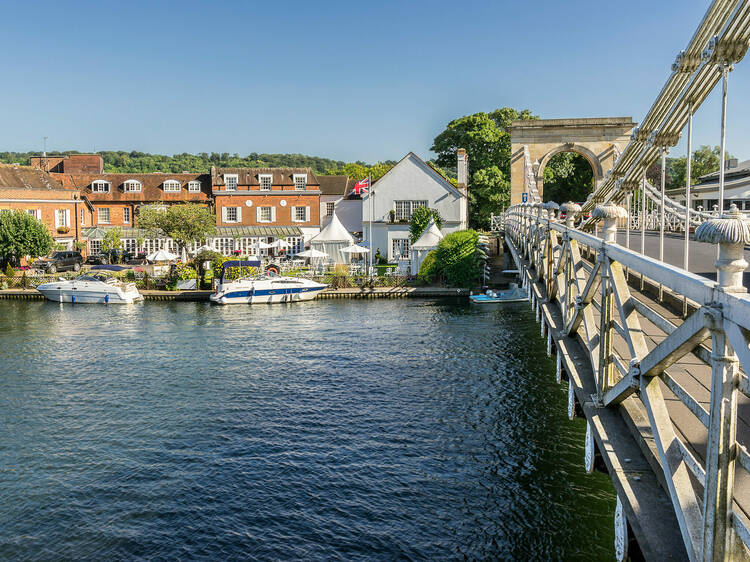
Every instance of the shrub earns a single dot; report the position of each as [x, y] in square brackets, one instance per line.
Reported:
[340, 278]
[457, 258]
[428, 270]
[9, 271]
[420, 218]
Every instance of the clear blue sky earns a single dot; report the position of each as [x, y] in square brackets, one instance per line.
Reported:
[341, 79]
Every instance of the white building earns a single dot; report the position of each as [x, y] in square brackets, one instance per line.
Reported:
[409, 184]
[705, 194]
[335, 195]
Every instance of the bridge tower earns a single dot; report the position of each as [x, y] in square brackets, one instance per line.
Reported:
[533, 142]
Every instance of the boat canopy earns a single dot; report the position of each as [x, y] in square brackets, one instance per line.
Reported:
[238, 263]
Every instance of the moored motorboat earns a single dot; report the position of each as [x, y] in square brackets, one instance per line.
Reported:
[91, 288]
[266, 288]
[512, 294]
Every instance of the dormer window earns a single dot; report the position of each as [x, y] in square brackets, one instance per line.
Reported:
[230, 181]
[265, 181]
[300, 182]
[132, 186]
[194, 186]
[172, 185]
[100, 186]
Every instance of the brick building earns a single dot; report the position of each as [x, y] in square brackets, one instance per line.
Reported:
[31, 190]
[261, 204]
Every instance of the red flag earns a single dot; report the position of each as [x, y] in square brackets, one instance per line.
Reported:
[361, 187]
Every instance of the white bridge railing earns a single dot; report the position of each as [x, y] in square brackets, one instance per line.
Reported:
[597, 308]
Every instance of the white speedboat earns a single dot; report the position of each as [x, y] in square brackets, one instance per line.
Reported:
[265, 288]
[512, 294]
[92, 288]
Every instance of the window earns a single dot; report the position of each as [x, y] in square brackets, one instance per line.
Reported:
[94, 247]
[230, 180]
[172, 185]
[194, 186]
[132, 186]
[126, 214]
[329, 208]
[404, 209]
[231, 214]
[265, 214]
[299, 214]
[33, 213]
[265, 181]
[60, 218]
[83, 216]
[100, 186]
[103, 215]
[300, 182]
[400, 248]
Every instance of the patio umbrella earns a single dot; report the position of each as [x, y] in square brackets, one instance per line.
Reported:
[161, 255]
[203, 249]
[355, 249]
[265, 245]
[312, 253]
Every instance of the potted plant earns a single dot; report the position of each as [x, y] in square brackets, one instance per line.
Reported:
[63, 229]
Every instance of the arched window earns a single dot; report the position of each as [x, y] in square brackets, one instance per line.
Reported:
[100, 186]
[172, 185]
[132, 186]
[194, 186]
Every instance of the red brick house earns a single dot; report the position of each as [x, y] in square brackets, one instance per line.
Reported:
[262, 204]
[31, 190]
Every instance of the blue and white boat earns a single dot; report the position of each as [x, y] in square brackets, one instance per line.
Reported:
[265, 288]
[512, 294]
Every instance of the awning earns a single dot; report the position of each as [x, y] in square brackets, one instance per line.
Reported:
[98, 232]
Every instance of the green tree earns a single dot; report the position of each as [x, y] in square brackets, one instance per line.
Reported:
[22, 235]
[705, 160]
[360, 170]
[183, 223]
[457, 259]
[420, 218]
[486, 138]
[568, 177]
[112, 239]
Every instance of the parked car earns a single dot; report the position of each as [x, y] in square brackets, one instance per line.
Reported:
[60, 261]
[109, 256]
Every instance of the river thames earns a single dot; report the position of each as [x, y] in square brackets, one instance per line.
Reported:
[330, 430]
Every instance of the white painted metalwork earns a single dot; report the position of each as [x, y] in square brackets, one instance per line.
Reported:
[583, 276]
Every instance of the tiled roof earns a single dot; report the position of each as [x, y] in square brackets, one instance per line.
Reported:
[12, 176]
[152, 187]
[333, 185]
[249, 176]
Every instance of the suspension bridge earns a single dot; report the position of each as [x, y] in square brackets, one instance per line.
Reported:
[651, 330]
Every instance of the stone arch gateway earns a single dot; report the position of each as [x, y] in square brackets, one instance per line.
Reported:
[533, 142]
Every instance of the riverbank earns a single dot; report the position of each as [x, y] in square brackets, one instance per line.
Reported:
[350, 293]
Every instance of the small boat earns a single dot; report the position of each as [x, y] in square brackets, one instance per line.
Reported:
[91, 288]
[512, 294]
[265, 288]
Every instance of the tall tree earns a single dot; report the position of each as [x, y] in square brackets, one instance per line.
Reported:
[420, 218]
[183, 223]
[486, 138]
[22, 235]
[567, 177]
[705, 160]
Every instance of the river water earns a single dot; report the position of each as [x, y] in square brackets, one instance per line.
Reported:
[331, 430]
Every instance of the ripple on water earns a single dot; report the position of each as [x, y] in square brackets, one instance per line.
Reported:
[332, 430]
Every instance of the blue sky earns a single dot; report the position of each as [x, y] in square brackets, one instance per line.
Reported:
[345, 80]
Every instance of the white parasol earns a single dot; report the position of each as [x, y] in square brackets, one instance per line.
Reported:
[161, 255]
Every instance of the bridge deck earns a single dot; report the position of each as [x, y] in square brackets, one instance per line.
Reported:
[691, 372]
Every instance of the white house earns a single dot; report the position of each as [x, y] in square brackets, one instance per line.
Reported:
[705, 194]
[409, 184]
[335, 195]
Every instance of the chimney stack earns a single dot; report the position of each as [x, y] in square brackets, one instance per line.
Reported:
[463, 169]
